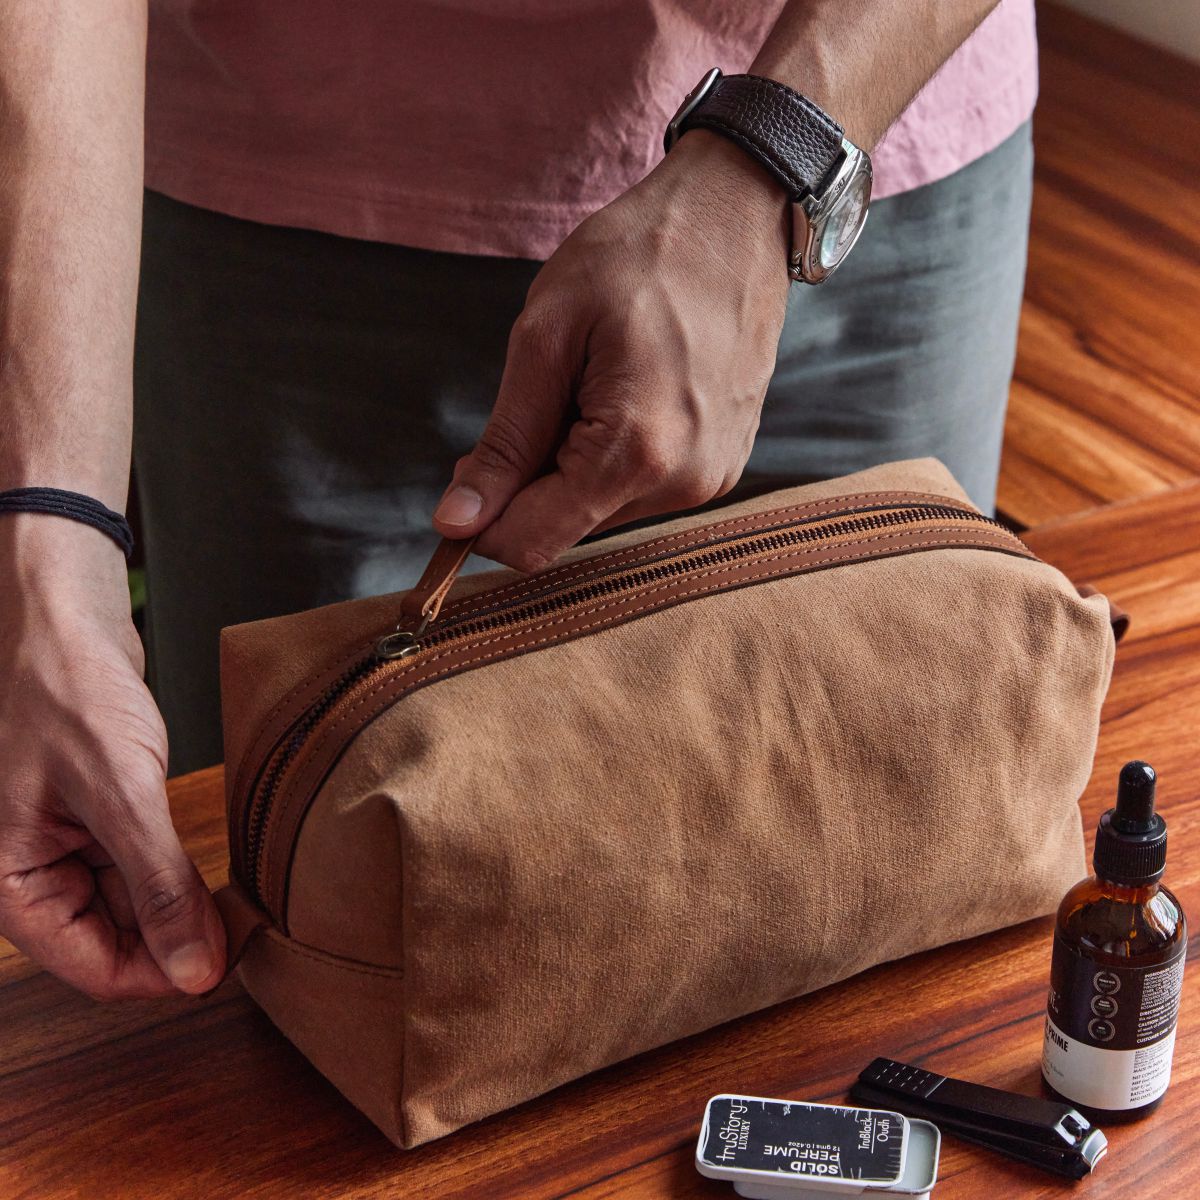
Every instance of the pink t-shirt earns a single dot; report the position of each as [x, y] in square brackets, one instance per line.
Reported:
[491, 126]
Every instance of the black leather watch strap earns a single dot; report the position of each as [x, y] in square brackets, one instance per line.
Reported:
[794, 139]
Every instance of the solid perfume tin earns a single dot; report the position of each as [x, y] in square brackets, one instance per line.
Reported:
[794, 1150]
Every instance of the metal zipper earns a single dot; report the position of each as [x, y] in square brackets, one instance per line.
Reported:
[402, 642]
[395, 650]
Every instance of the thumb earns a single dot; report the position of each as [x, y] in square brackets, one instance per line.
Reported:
[523, 431]
[174, 910]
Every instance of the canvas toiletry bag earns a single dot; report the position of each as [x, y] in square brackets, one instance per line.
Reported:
[686, 773]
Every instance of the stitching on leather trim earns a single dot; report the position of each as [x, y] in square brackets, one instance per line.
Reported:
[676, 549]
[345, 660]
[693, 537]
[712, 571]
[723, 570]
[522, 587]
[239, 785]
[697, 533]
[969, 539]
[525, 586]
[431, 589]
[336, 961]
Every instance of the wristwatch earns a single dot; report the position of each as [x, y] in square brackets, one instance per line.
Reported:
[827, 177]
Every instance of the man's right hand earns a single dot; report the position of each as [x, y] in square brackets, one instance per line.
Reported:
[94, 884]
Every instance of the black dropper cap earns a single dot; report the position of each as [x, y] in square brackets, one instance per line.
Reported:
[1131, 841]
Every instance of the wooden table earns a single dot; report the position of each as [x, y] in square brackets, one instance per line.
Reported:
[1105, 402]
[203, 1098]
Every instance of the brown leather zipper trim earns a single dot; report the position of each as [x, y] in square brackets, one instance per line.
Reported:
[555, 578]
[362, 704]
[293, 704]
[287, 711]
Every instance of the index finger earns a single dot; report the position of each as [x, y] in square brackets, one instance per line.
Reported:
[555, 511]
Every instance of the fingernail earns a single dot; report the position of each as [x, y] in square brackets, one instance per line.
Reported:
[190, 965]
[459, 506]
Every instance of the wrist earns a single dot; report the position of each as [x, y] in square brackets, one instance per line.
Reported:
[51, 562]
[726, 174]
[814, 63]
[732, 193]
[52, 460]
[825, 177]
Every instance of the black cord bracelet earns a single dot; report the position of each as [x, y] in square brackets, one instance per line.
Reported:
[73, 505]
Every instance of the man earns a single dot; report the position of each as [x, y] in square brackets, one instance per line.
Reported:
[341, 288]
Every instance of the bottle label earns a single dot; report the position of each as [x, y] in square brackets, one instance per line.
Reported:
[1110, 1031]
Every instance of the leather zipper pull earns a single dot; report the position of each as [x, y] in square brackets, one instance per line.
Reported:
[424, 601]
[243, 919]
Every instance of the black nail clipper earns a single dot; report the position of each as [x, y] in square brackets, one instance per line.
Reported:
[1052, 1136]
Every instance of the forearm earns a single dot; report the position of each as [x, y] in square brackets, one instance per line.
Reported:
[71, 103]
[862, 61]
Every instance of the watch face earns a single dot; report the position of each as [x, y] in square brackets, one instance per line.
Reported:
[844, 222]
[826, 226]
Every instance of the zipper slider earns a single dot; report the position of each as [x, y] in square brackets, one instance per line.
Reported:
[400, 643]
[424, 601]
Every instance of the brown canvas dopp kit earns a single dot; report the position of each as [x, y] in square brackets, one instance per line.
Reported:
[686, 773]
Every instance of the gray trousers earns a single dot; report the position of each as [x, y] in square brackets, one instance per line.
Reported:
[300, 398]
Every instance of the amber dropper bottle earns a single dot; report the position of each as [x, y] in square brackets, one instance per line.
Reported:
[1117, 967]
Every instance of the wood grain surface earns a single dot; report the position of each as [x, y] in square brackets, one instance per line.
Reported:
[203, 1098]
[1105, 404]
